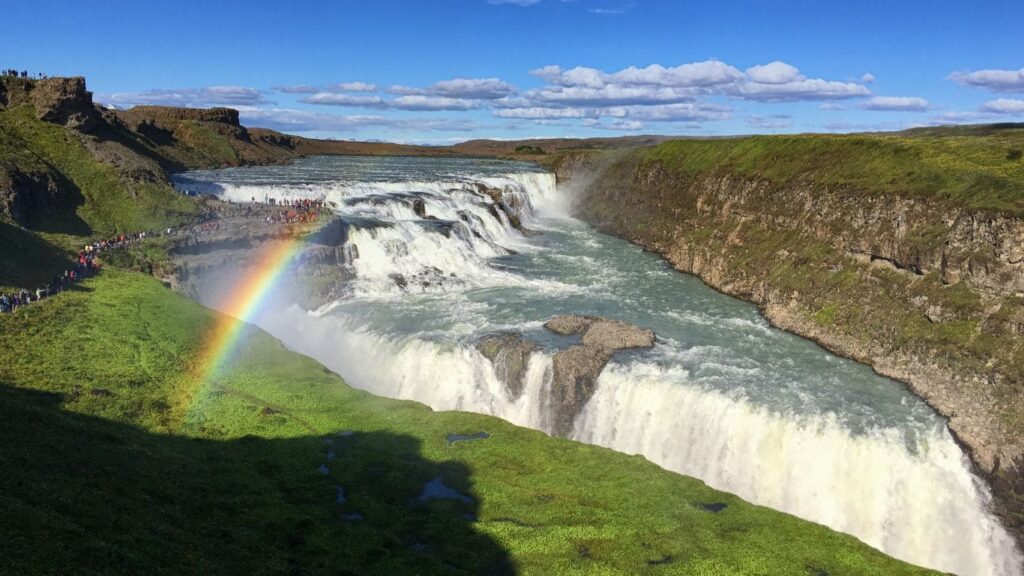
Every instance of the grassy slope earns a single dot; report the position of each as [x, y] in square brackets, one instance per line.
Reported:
[97, 202]
[977, 170]
[105, 204]
[115, 461]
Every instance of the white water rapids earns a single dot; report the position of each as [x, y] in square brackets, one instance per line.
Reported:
[722, 396]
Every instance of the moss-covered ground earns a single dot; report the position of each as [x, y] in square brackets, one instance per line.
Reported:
[115, 458]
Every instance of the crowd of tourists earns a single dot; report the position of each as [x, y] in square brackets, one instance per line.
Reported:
[85, 265]
[281, 212]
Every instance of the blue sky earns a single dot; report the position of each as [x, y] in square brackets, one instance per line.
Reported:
[450, 70]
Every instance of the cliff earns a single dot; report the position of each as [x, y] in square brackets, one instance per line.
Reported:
[910, 265]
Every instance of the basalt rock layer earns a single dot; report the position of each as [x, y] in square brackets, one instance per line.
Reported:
[925, 291]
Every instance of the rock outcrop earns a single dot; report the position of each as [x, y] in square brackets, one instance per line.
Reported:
[510, 354]
[925, 292]
[57, 100]
[575, 370]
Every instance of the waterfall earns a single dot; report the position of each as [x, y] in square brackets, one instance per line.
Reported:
[440, 262]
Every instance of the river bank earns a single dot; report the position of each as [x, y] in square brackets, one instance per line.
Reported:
[893, 282]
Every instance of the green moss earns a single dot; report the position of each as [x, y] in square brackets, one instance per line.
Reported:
[826, 316]
[116, 459]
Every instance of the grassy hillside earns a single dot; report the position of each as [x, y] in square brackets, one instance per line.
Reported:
[980, 169]
[115, 460]
[96, 198]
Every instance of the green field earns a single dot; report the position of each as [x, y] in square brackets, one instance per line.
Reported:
[981, 168]
[116, 460]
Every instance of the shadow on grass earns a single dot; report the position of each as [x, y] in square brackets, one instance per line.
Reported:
[26, 260]
[85, 495]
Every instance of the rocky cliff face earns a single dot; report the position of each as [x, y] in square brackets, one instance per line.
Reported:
[56, 100]
[925, 293]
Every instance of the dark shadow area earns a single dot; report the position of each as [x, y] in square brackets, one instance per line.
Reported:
[26, 260]
[83, 495]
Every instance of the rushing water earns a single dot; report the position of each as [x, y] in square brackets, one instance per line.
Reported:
[723, 396]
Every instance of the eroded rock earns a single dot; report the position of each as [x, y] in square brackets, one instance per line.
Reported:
[576, 369]
[509, 353]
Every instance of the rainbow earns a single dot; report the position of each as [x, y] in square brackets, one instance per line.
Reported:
[240, 305]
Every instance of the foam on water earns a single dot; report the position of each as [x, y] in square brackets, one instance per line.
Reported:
[723, 396]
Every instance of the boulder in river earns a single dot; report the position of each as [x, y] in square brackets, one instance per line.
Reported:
[576, 369]
[509, 353]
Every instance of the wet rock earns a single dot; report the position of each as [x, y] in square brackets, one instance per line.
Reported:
[569, 324]
[602, 333]
[576, 369]
[399, 280]
[574, 378]
[509, 353]
[419, 207]
[616, 335]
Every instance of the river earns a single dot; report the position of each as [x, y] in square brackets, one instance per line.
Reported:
[723, 396]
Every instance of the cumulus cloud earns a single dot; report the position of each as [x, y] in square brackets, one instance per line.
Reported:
[472, 88]
[896, 103]
[773, 82]
[427, 103]
[1009, 106]
[693, 75]
[867, 78]
[354, 87]
[191, 97]
[994, 80]
[774, 73]
[801, 90]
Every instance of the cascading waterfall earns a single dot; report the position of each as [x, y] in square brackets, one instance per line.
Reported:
[722, 397]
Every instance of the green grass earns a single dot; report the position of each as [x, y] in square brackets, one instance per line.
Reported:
[115, 460]
[94, 200]
[978, 170]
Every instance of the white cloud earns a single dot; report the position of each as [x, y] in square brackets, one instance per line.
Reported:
[296, 89]
[800, 90]
[774, 73]
[896, 103]
[334, 99]
[429, 103]
[994, 80]
[773, 82]
[538, 113]
[473, 88]
[192, 97]
[1009, 106]
[354, 87]
[867, 78]
[609, 95]
[832, 106]
[514, 2]
[688, 112]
